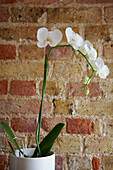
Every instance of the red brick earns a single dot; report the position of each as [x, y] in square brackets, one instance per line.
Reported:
[3, 87]
[109, 14]
[24, 88]
[79, 126]
[4, 14]
[94, 1]
[3, 162]
[30, 52]
[7, 1]
[108, 51]
[23, 106]
[73, 87]
[7, 52]
[23, 124]
[64, 53]
[3, 120]
[58, 163]
[49, 123]
[96, 163]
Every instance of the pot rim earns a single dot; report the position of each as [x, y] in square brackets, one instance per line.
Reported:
[52, 154]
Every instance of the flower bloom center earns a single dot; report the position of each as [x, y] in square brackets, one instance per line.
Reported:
[48, 40]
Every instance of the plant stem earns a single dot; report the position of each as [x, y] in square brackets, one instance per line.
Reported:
[86, 85]
[44, 87]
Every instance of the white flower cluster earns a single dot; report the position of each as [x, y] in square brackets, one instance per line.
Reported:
[52, 38]
[87, 49]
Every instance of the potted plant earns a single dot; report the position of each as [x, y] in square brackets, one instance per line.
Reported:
[41, 157]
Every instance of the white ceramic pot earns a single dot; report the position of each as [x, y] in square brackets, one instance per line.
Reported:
[41, 163]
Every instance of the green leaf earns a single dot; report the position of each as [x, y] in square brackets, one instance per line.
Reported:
[48, 141]
[11, 135]
[12, 148]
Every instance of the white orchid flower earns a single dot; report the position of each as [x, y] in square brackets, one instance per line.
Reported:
[87, 49]
[92, 54]
[46, 37]
[103, 73]
[100, 68]
[73, 38]
[98, 64]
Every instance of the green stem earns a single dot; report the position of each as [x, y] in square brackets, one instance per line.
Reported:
[86, 85]
[44, 87]
[43, 92]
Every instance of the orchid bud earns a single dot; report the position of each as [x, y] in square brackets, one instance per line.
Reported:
[87, 91]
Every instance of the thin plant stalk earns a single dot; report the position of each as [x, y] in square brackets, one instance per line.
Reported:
[46, 66]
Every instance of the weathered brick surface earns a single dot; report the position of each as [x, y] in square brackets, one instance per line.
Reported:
[28, 33]
[49, 123]
[27, 14]
[3, 87]
[98, 108]
[63, 107]
[109, 14]
[95, 1]
[97, 127]
[108, 162]
[110, 66]
[73, 144]
[52, 88]
[23, 124]
[70, 15]
[58, 163]
[73, 87]
[30, 52]
[64, 53]
[3, 161]
[47, 2]
[4, 14]
[108, 51]
[77, 161]
[79, 126]
[100, 143]
[88, 135]
[7, 1]
[96, 163]
[107, 87]
[7, 52]
[95, 33]
[109, 126]
[67, 71]
[9, 33]
[29, 70]
[23, 88]
[3, 143]
[23, 106]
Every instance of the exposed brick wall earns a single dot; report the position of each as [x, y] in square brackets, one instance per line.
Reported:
[87, 138]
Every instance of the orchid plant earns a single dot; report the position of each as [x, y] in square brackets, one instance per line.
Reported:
[86, 49]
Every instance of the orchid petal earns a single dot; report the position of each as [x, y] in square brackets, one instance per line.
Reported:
[79, 40]
[92, 54]
[89, 45]
[69, 34]
[42, 34]
[55, 37]
[42, 44]
[104, 72]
